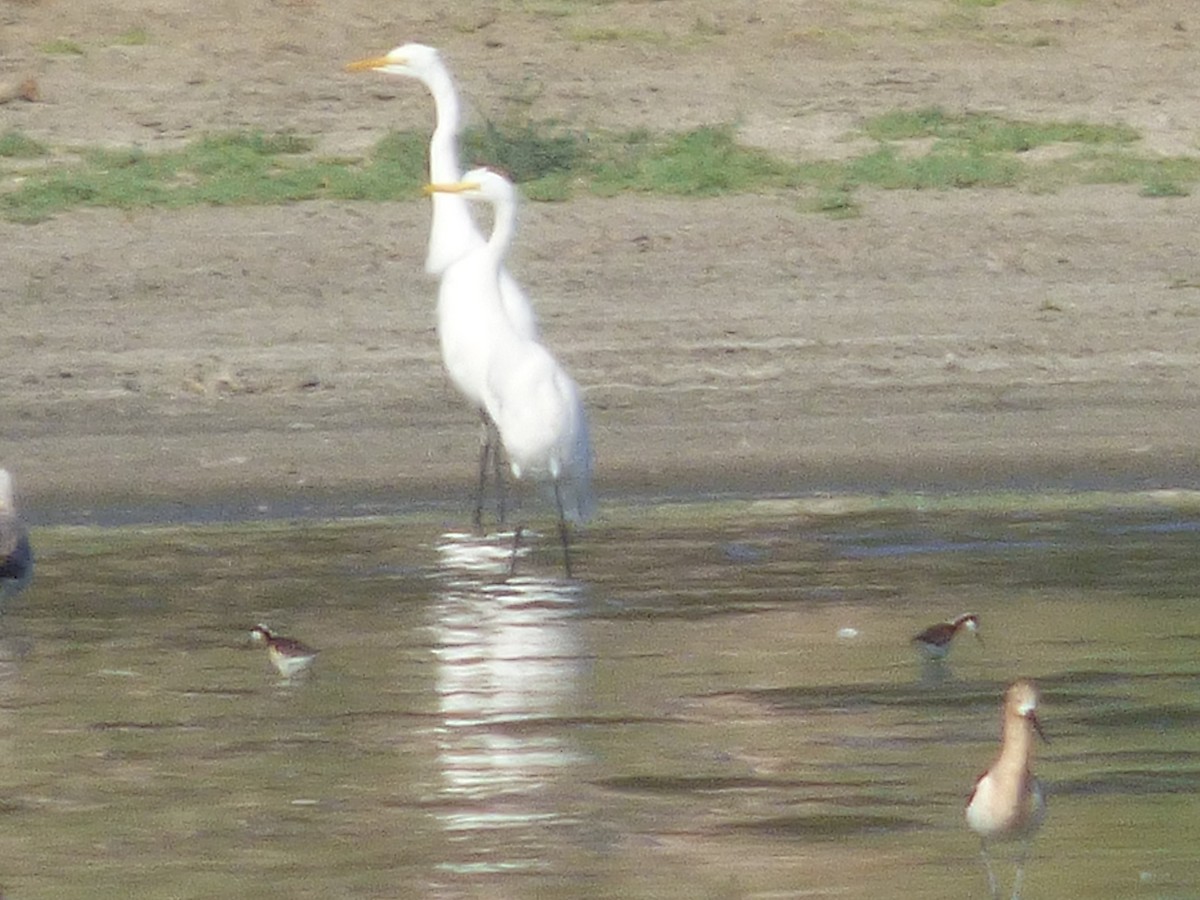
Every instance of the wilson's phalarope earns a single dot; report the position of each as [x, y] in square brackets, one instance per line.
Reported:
[1007, 802]
[290, 657]
[934, 641]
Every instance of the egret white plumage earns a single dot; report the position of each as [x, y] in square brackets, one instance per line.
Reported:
[452, 234]
[16, 555]
[535, 404]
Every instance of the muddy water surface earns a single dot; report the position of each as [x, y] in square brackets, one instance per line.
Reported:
[722, 703]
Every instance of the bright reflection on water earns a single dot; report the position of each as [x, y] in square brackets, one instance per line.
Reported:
[507, 655]
[723, 703]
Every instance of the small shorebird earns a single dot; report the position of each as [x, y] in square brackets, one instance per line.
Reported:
[934, 641]
[1007, 803]
[16, 556]
[290, 657]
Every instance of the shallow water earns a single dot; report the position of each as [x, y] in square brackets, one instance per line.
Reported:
[722, 703]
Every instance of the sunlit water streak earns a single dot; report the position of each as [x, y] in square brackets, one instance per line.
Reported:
[507, 652]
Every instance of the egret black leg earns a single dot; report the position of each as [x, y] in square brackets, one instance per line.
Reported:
[499, 460]
[512, 563]
[563, 533]
[486, 450]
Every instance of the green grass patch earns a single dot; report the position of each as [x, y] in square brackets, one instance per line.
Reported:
[939, 169]
[394, 170]
[1155, 188]
[1158, 176]
[62, 47]
[701, 163]
[235, 168]
[246, 144]
[990, 134]
[527, 151]
[15, 145]
[835, 202]
[925, 149]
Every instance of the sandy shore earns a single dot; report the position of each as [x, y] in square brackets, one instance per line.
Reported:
[967, 339]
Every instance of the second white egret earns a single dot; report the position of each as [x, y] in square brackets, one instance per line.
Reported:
[535, 404]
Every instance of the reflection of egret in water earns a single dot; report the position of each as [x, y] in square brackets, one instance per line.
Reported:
[508, 660]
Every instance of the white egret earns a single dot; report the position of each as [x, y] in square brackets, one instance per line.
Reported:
[16, 555]
[533, 401]
[452, 234]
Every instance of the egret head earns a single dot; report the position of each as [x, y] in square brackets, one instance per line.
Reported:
[479, 184]
[413, 60]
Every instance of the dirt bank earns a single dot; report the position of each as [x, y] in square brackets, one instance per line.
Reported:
[973, 338]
